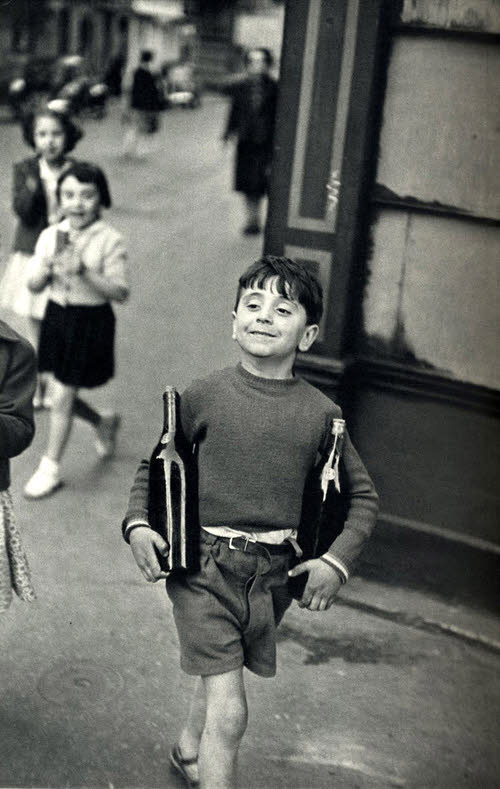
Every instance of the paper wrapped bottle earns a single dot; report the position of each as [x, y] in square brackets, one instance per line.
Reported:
[324, 505]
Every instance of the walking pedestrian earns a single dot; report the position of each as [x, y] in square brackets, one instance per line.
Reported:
[114, 74]
[144, 105]
[53, 135]
[17, 427]
[82, 262]
[258, 430]
[251, 122]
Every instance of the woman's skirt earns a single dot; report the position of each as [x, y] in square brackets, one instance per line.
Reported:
[14, 292]
[77, 344]
[252, 169]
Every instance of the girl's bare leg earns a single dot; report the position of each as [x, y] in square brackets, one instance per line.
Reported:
[61, 419]
[225, 725]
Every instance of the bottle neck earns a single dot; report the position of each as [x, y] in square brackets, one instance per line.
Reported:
[169, 413]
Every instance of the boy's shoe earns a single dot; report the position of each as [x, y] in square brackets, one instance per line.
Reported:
[181, 765]
[44, 481]
[106, 432]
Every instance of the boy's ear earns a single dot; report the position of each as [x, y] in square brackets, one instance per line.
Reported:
[308, 337]
[233, 316]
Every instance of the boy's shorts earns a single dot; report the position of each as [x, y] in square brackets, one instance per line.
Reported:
[227, 613]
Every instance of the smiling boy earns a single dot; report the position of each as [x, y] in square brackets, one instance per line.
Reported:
[258, 429]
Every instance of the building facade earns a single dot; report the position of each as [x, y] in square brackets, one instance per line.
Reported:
[401, 99]
[95, 29]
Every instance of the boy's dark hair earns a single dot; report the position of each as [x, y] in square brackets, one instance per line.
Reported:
[146, 56]
[87, 173]
[294, 281]
[72, 132]
[268, 57]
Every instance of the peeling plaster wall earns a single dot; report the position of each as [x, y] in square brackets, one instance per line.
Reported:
[478, 15]
[435, 274]
[440, 280]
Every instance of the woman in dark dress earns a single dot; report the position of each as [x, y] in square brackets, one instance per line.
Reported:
[251, 121]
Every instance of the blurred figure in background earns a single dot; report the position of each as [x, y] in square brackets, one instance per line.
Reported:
[251, 122]
[114, 74]
[17, 386]
[144, 104]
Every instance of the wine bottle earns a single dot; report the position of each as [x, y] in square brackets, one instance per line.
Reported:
[173, 490]
[324, 506]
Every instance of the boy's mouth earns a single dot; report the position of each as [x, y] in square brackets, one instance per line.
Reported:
[262, 333]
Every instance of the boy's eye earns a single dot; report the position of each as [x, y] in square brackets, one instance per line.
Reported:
[252, 305]
[284, 311]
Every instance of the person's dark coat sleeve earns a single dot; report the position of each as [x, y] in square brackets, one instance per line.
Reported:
[17, 386]
[29, 204]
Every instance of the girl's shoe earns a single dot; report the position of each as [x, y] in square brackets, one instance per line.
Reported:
[181, 765]
[45, 480]
[37, 402]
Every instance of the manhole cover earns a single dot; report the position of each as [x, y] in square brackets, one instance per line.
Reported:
[80, 682]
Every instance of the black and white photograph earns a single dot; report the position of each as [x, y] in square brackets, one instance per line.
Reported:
[249, 394]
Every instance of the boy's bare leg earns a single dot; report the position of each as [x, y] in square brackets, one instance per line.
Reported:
[225, 724]
[190, 736]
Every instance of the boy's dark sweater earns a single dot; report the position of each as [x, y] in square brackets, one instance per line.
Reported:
[257, 440]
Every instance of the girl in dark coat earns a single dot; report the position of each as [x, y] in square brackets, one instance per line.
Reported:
[52, 135]
[251, 121]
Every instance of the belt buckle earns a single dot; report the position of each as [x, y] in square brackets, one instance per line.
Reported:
[239, 537]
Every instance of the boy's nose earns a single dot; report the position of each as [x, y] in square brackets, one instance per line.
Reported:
[265, 316]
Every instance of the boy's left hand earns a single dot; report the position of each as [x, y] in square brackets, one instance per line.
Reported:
[322, 584]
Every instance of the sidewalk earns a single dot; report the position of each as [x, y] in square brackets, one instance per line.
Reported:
[423, 612]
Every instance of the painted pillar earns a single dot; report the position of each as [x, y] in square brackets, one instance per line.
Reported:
[326, 119]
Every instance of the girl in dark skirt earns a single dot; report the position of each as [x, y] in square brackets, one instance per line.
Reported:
[82, 260]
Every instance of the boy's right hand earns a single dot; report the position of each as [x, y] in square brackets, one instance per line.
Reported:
[144, 543]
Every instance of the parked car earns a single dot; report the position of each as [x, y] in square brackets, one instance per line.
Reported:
[69, 87]
[77, 90]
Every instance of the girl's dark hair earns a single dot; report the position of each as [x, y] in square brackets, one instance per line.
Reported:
[265, 51]
[72, 132]
[294, 281]
[87, 173]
